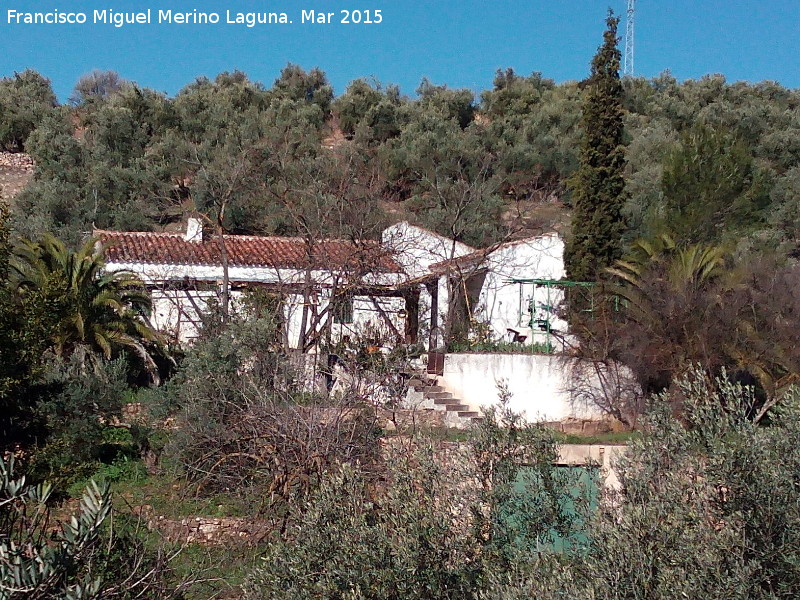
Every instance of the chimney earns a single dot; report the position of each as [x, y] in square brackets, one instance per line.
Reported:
[194, 230]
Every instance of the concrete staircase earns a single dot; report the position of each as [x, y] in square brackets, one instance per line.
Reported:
[425, 393]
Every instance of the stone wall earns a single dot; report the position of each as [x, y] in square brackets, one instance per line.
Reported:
[208, 531]
[16, 170]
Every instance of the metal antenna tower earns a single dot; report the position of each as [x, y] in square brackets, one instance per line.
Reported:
[627, 68]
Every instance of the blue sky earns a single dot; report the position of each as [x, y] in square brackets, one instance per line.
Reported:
[460, 44]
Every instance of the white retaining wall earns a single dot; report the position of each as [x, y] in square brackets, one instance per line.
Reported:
[539, 384]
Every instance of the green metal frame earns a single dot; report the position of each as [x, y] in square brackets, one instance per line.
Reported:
[549, 285]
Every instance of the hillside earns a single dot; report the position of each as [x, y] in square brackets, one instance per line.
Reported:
[16, 170]
[272, 418]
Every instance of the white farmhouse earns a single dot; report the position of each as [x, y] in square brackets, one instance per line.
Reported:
[327, 289]
[412, 286]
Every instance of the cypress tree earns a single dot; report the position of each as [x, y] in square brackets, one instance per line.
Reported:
[598, 186]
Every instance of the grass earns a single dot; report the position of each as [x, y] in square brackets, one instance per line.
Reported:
[500, 348]
[221, 570]
[445, 434]
[212, 571]
[206, 571]
[173, 499]
[434, 434]
[618, 438]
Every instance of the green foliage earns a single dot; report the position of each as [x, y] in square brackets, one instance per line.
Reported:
[27, 326]
[515, 95]
[531, 506]
[783, 219]
[352, 107]
[251, 425]
[706, 505]
[105, 310]
[25, 100]
[598, 186]
[344, 545]
[311, 88]
[96, 85]
[93, 553]
[757, 119]
[711, 188]
[438, 525]
[680, 306]
[30, 567]
[501, 347]
[121, 470]
[671, 295]
[533, 128]
[448, 174]
[78, 411]
[371, 115]
[138, 160]
[205, 107]
[116, 174]
[62, 321]
[452, 105]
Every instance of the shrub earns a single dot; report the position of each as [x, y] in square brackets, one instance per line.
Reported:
[438, 525]
[245, 427]
[345, 544]
[708, 505]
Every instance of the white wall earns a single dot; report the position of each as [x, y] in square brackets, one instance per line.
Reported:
[539, 384]
[177, 312]
[505, 305]
[158, 273]
[367, 319]
[416, 248]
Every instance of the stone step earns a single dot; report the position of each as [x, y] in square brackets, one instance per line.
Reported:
[443, 401]
[468, 414]
[438, 395]
[433, 388]
[457, 407]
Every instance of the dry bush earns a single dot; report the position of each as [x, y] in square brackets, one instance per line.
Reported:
[244, 423]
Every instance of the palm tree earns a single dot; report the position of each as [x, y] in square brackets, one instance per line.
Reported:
[660, 265]
[686, 305]
[672, 298]
[107, 311]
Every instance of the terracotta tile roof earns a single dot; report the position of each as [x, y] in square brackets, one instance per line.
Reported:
[245, 251]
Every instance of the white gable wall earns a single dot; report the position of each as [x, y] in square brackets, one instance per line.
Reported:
[416, 248]
[505, 305]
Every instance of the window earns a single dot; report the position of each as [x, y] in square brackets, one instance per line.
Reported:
[343, 310]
